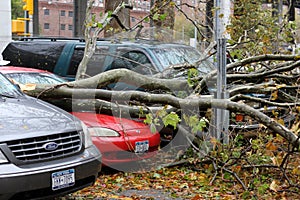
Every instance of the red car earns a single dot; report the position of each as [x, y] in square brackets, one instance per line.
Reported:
[120, 140]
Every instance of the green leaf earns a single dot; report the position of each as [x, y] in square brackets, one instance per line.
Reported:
[148, 119]
[109, 13]
[192, 73]
[99, 25]
[195, 123]
[153, 128]
[155, 16]
[200, 125]
[147, 19]
[171, 119]
[163, 17]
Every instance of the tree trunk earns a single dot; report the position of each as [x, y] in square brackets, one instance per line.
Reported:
[123, 16]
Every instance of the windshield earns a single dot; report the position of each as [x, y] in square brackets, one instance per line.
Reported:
[182, 55]
[36, 78]
[7, 89]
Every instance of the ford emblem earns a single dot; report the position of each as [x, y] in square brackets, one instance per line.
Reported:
[50, 146]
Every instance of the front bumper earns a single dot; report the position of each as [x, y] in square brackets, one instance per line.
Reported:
[33, 181]
[120, 150]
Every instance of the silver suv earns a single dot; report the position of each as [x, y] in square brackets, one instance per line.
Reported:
[44, 151]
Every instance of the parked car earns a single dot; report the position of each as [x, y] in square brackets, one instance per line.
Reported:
[25, 75]
[119, 140]
[148, 57]
[62, 56]
[45, 152]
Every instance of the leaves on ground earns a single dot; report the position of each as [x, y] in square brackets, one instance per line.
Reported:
[198, 180]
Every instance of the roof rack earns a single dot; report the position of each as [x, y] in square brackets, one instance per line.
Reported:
[53, 39]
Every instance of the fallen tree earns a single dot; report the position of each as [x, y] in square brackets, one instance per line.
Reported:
[265, 80]
[90, 89]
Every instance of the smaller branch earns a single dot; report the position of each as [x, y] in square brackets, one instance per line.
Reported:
[259, 166]
[244, 62]
[152, 12]
[193, 22]
[255, 99]
[215, 175]
[119, 22]
[237, 178]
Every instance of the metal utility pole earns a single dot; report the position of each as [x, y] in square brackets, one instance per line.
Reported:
[221, 116]
[79, 17]
[36, 18]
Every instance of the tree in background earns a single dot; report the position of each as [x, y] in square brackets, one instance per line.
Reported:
[255, 31]
[17, 9]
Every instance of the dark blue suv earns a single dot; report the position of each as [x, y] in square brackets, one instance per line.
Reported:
[62, 56]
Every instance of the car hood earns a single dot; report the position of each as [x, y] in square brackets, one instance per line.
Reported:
[26, 115]
[108, 121]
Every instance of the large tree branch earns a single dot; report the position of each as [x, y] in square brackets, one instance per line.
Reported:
[130, 77]
[186, 105]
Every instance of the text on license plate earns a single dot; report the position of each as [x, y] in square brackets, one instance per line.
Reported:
[63, 179]
[142, 146]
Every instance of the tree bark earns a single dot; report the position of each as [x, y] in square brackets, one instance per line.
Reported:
[186, 105]
[123, 16]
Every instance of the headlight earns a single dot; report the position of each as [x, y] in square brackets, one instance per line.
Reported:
[87, 137]
[2, 158]
[103, 132]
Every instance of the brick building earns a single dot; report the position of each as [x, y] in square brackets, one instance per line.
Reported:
[56, 16]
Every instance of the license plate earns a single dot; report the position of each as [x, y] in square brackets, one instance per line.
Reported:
[141, 147]
[63, 179]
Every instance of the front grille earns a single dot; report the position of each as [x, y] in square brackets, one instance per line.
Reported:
[33, 149]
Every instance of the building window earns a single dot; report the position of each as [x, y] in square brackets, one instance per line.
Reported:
[70, 27]
[46, 11]
[63, 13]
[70, 13]
[46, 26]
[63, 27]
[132, 19]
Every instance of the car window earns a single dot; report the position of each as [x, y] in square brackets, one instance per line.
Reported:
[169, 56]
[37, 78]
[134, 60]
[176, 55]
[96, 63]
[75, 61]
[7, 88]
